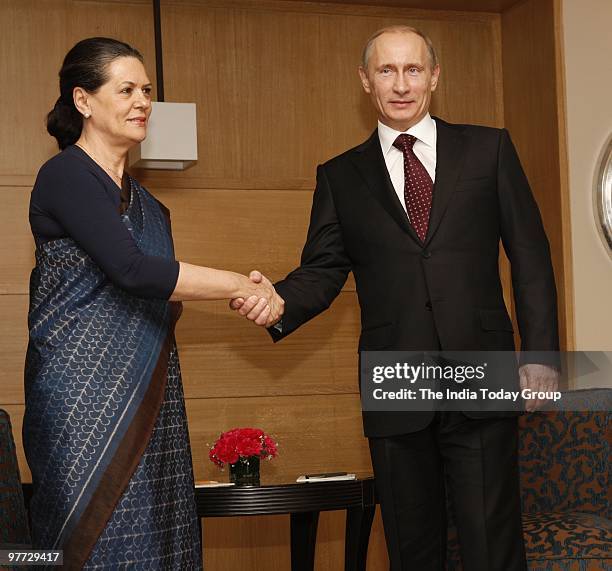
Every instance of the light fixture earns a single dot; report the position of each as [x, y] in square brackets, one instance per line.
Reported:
[172, 139]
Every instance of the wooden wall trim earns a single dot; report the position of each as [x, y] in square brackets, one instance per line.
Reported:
[564, 189]
[156, 179]
[533, 116]
[182, 180]
[17, 180]
[342, 9]
[326, 8]
[496, 27]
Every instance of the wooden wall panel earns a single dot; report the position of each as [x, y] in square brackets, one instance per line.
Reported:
[13, 343]
[315, 432]
[35, 38]
[239, 230]
[16, 243]
[532, 109]
[262, 542]
[222, 355]
[258, 542]
[465, 5]
[278, 90]
[566, 290]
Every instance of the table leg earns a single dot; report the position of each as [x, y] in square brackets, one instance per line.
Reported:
[358, 526]
[303, 540]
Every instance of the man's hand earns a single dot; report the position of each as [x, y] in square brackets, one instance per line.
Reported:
[538, 378]
[256, 308]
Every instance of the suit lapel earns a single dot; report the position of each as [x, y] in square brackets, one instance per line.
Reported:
[369, 160]
[450, 152]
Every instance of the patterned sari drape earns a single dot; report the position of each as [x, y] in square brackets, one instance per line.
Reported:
[94, 382]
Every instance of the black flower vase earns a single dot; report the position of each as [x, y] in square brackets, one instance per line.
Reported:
[245, 472]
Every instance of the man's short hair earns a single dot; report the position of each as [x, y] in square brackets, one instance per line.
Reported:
[399, 28]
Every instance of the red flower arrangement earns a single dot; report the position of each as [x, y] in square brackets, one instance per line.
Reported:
[242, 443]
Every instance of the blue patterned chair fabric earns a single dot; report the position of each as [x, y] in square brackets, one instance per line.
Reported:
[564, 466]
[13, 521]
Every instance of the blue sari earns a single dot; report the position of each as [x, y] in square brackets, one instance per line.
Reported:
[105, 430]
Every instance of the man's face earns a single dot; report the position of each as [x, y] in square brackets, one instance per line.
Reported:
[399, 79]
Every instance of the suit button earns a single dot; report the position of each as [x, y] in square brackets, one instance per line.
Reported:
[426, 254]
[428, 305]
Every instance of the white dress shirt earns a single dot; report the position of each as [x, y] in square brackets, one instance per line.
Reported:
[424, 149]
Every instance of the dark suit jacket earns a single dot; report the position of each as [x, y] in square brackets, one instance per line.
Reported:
[443, 293]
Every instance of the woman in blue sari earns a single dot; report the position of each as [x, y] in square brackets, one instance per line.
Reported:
[105, 431]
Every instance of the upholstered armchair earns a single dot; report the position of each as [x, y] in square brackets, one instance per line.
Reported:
[13, 521]
[564, 465]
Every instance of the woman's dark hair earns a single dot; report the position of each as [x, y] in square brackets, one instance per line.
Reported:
[85, 65]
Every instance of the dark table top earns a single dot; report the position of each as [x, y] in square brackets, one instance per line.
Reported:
[282, 497]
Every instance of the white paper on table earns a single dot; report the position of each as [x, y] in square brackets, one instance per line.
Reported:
[213, 484]
[304, 480]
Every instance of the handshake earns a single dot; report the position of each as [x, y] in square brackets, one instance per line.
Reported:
[262, 304]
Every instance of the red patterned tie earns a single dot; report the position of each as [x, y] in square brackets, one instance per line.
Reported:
[418, 186]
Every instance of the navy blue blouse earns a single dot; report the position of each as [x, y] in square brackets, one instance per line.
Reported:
[74, 197]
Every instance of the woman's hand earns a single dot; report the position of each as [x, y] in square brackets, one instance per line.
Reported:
[261, 304]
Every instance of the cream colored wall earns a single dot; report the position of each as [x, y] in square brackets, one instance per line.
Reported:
[588, 77]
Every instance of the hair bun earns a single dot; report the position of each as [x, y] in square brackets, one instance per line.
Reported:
[64, 123]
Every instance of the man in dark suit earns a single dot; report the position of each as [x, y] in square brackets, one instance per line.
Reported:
[417, 213]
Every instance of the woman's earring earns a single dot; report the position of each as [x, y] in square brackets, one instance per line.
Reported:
[87, 115]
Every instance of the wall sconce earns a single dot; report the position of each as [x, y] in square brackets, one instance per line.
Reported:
[172, 139]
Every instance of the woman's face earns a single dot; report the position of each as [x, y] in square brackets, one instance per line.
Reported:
[120, 109]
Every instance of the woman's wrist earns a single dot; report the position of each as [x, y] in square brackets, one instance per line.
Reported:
[244, 287]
